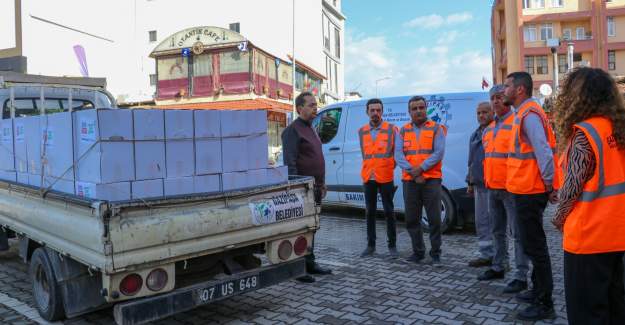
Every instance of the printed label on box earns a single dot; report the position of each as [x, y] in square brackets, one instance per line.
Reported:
[87, 129]
[19, 132]
[47, 137]
[83, 191]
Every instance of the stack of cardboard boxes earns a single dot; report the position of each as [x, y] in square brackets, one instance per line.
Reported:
[115, 154]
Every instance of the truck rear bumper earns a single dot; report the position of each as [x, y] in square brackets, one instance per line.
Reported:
[152, 308]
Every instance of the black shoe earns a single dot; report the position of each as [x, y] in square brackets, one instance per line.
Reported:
[528, 296]
[436, 261]
[317, 269]
[368, 251]
[392, 252]
[480, 262]
[536, 312]
[306, 278]
[491, 274]
[414, 258]
[515, 286]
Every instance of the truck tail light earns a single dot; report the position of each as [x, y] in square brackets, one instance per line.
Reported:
[301, 244]
[131, 284]
[285, 249]
[156, 280]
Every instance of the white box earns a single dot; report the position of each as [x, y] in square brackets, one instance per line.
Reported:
[7, 153]
[8, 176]
[60, 185]
[257, 177]
[179, 186]
[207, 124]
[147, 189]
[208, 156]
[206, 183]
[19, 135]
[258, 121]
[178, 124]
[107, 162]
[234, 181]
[102, 124]
[34, 180]
[234, 154]
[32, 133]
[111, 192]
[149, 160]
[235, 123]
[257, 151]
[22, 178]
[149, 124]
[277, 175]
[56, 141]
[180, 161]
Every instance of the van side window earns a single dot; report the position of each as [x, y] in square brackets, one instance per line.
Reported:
[327, 124]
[79, 104]
[30, 106]
[23, 107]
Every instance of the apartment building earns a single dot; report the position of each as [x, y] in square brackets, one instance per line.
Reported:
[525, 31]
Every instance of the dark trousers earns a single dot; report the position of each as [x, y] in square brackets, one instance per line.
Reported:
[529, 210]
[387, 191]
[310, 258]
[416, 197]
[593, 285]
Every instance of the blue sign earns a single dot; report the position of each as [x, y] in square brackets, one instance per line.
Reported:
[186, 52]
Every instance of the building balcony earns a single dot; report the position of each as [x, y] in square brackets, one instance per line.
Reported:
[561, 16]
[585, 45]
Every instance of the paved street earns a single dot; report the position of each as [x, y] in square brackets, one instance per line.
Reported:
[375, 290]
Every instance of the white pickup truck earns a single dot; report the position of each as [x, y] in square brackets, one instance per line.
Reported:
[156, 257]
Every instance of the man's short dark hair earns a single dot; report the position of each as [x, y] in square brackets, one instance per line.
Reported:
[524, 79]
[300, 100]
[416, 99]
[373, 101]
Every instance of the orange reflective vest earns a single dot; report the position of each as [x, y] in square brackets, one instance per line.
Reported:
[597, 222]
[522, 173]
[418, 150]
[496, 148]
[377, 155]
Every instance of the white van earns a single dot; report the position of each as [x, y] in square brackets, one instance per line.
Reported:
[338, 124]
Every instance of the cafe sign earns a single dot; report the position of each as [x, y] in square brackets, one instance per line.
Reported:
[208, 36]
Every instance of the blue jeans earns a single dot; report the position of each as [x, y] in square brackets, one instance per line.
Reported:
[506, 224]
[483, 223]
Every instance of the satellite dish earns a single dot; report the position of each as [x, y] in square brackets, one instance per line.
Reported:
[545, 90]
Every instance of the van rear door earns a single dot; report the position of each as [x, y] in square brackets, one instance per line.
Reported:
[330, 126]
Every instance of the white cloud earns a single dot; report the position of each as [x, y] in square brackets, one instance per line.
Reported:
[434, 21]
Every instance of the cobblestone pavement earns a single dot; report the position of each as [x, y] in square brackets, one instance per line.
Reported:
[375, 290]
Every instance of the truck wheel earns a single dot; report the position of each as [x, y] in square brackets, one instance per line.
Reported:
[448, 213]
[46, 292]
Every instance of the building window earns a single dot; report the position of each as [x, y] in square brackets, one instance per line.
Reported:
[152, 35]
[529, 33]
[532, 4]
[611, 27]
[546, 31]
[580, 33]
[566, 34]
[153, 79]
[563, 65]
[557, 3]
[611, 60]
[337, 43]
[529, 64]
[326, 33]
[541, 65]
[236, 27]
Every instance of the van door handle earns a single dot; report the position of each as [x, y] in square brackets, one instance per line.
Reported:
[334, 148]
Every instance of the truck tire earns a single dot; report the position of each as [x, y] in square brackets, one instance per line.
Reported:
[46, 291]
[448, 213]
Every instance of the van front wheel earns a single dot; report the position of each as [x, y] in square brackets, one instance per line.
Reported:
[448, 213]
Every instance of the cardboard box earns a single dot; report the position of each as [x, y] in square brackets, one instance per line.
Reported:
[258, 121]
[56, 140]
[22, 178]
[149, 160]
[111, 192]
[178, 124]
[34, 180]
[257, 177]
[235, 123]
[258, 151]
[102, 125]
[19, 136]
[234, 181]
[179, 186]
[207, 124]
[206, 183]
[7, 153]
[149, 124]
[180, 159]
[107, 162]
[234, 154]
[208, 156]
[8, 176]
[277, 175]
[147, 189]
[32, 133]
[59, 185]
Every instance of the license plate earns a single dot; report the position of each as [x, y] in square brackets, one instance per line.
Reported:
[226, 289]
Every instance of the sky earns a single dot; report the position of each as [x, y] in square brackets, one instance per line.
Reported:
[422, 46]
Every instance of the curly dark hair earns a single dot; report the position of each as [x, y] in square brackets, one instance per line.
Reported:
[585, 93]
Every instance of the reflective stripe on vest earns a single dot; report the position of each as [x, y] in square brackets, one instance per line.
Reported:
[496, 147]
[377, 161]
[419, 149]
[596, 223]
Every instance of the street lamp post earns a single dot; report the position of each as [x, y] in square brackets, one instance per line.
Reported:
[376, 84]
